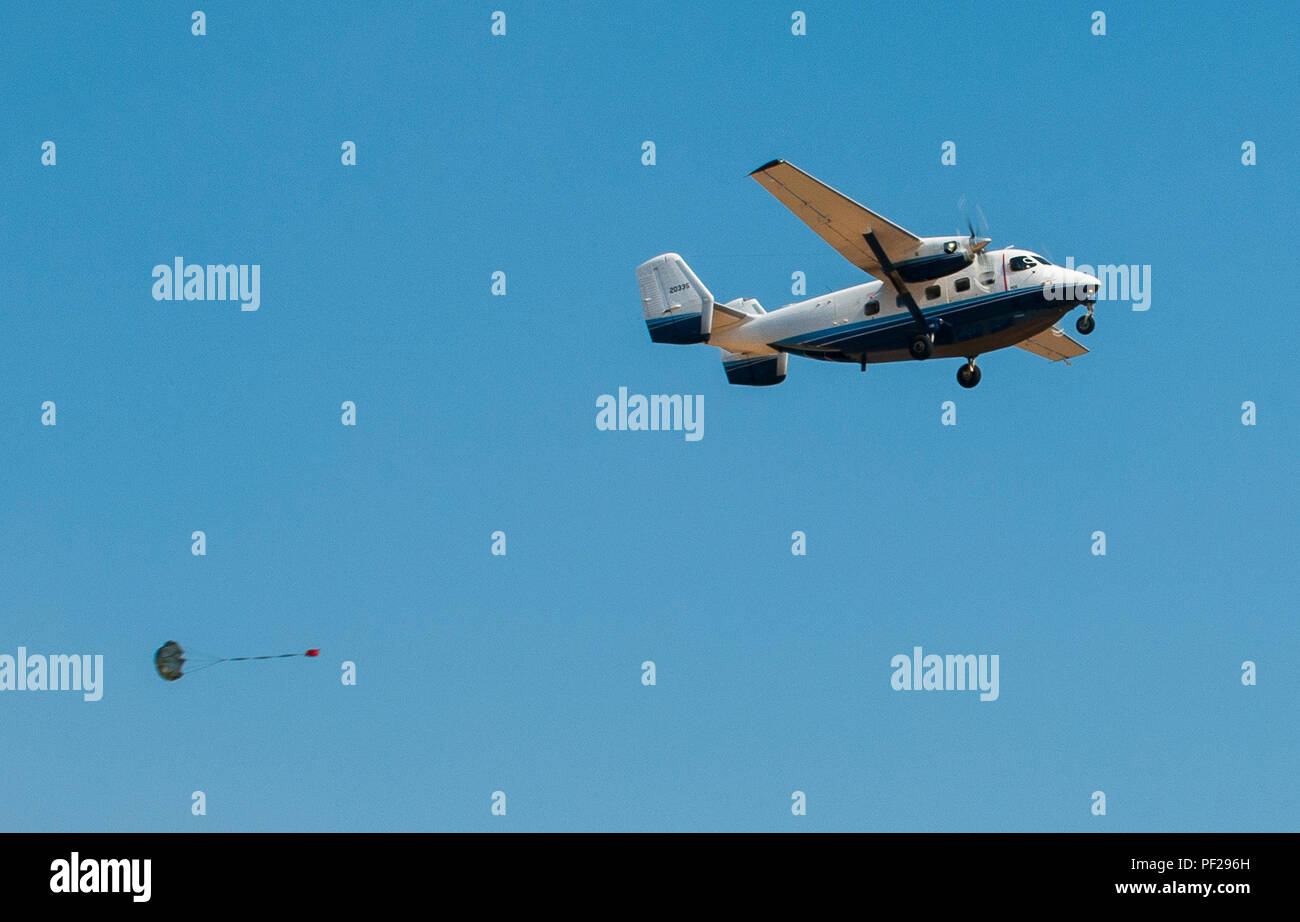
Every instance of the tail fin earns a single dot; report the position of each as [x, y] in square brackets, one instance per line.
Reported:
[677, 307]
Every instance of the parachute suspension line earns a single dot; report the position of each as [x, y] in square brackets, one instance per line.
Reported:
[277, 656]
[206, 657]
[204, 666]
[170, 658]
[240, 659]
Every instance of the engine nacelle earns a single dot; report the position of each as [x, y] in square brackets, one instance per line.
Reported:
[937, 257]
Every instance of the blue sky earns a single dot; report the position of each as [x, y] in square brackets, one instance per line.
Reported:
[476, 413]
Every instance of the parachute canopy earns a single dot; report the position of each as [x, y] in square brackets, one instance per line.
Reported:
[170, 658]
[168, 661]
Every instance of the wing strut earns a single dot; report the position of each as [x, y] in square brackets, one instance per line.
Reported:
[922, 344]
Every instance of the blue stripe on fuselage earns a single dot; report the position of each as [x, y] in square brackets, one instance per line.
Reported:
[853, 337]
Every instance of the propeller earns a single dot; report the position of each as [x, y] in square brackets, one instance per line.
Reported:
[979, 239]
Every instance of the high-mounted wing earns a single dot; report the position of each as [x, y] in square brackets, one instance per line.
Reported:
[834, 217]
[1052, 344]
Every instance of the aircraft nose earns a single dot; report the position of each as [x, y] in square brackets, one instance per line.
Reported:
[1087, 286]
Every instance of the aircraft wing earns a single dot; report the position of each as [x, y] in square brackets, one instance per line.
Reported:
[835, 218]
[1052, 344]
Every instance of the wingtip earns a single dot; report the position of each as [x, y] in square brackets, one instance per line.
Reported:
[767, 166]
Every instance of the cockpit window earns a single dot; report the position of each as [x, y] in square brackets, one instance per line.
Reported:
[1043, 261]
[1020, 263]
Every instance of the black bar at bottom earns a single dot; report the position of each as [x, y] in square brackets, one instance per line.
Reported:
[639, 872]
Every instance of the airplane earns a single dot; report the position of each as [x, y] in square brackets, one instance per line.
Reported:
[936, 297]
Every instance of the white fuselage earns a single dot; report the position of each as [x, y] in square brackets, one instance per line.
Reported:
[984, 306]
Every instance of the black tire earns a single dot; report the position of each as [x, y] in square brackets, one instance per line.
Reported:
[921, 347]
[1085, 324]
[968, 375]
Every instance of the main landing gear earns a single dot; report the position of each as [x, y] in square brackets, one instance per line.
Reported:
[1086, 324]
[969, 374]
[921, 347]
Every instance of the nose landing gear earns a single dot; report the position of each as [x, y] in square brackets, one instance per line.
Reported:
[969, 374]
[1086, 324]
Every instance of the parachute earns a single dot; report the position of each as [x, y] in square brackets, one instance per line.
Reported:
[170, 659]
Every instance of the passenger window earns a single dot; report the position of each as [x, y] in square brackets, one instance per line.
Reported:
[931, 292]
[962, 284]
[871, 308]
[986, 279]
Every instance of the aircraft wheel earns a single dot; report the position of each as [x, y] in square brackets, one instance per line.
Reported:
[921, 346]
[968, 375]
[1085, 324]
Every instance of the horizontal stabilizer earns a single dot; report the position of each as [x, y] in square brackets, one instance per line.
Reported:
[759, 370]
